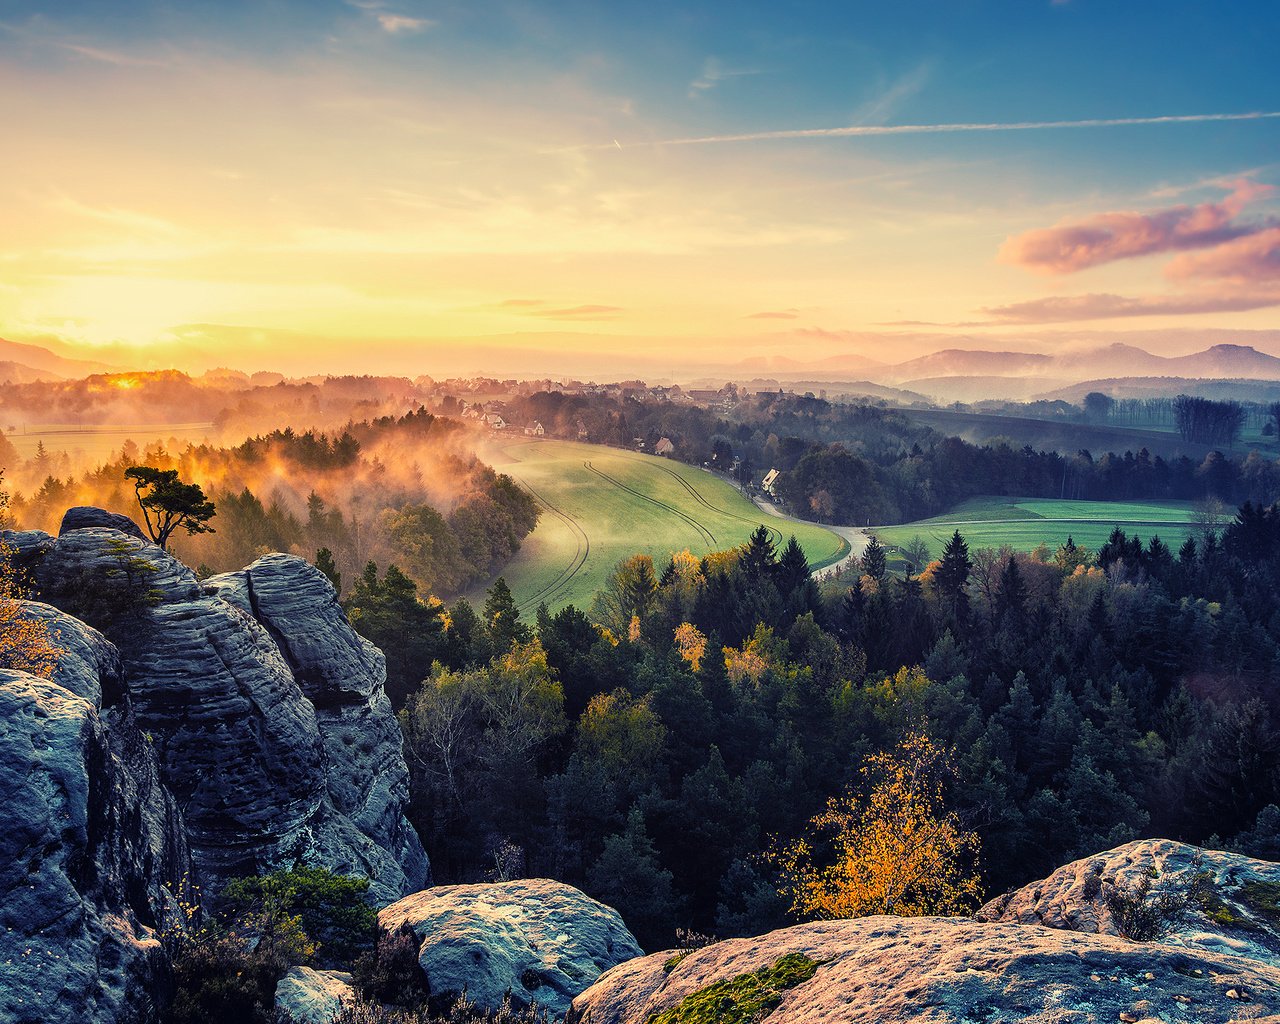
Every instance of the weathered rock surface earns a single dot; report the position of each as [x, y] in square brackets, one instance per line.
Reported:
[91, 858]
[313, 997]
[1226, 902]
[885, 970]
[540, 940]
[266, 778]
[343, 676]
[84, 516]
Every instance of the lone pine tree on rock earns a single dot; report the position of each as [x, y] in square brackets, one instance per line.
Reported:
[167, 503]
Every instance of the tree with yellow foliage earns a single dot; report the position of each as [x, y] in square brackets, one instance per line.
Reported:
[26, 643]
[896, 849]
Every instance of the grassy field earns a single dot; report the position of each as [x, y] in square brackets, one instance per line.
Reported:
[97, 444]
[1025, 523]
[600, 505]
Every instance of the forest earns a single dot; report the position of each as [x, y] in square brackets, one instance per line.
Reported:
[404, 488]
[660, 747]
[861, 463]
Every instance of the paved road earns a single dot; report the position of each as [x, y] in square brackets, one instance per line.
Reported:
[858, 539]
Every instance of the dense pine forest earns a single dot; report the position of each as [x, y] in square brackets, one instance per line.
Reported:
[655, 748]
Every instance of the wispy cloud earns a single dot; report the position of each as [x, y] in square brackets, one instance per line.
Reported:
[878, 109]
[713, 73]
[397, 23]
[391, 22]
[1104, 306]
[780, 314]
[858, 130]
[1106, 237]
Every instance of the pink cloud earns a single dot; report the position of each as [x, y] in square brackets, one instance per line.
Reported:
[1067, 248]
[1104, 306]
[1252, 258]
[780, 314]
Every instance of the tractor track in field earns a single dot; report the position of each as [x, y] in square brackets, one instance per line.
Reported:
[576, 563]
[710, 537]
[774, 533]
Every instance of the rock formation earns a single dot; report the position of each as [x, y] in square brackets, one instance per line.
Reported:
[92, 850]
[82, 517]
[268, 713]
[313, 997]
[1200, 899]
[886, 970]
[539, 940]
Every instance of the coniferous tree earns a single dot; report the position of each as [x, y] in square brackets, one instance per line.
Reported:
[874, 560]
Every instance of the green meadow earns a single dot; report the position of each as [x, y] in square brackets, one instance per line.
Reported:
[600, 505]
[1025, 523]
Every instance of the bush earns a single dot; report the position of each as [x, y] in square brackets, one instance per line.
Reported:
[1141, 915]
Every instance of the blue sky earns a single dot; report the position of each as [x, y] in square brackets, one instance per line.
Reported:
[435, 176]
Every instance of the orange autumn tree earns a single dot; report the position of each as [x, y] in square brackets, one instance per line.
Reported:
[895, 848]
[26, 643]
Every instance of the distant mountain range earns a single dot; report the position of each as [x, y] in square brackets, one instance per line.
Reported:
[969, 375]
[21, 363]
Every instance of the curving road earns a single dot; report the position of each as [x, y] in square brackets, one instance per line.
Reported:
[858, 538]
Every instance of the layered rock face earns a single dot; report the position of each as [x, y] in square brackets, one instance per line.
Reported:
[538, 940]
[886, 970]
[93, 857]
[267, 711]
[1214, 901]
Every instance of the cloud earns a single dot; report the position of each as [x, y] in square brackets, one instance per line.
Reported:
[713, 73]
[586, 312]
[880, 108]
[1104, 306]
[1251, 258]
[538, 308]
[1107, 237]
[782, 314]
[397, 23]
[856, 130]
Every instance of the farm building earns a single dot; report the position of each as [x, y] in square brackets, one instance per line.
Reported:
[534, 429]
[769, 479]
[665, 446]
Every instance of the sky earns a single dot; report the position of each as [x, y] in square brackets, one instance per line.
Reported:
[515, 188]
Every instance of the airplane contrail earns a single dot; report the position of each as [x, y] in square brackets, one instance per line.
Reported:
[977, 126]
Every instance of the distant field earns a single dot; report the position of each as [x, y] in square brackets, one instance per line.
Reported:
[1070, 437]
[600, 505]
[99, 443]
[1025, 523]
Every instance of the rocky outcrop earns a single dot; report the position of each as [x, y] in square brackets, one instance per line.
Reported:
[267, 711]
[304, 996]
[83, 517]
[1199, 899]
[884, 970]
[343, 677]
[535, 939]
[91, 857]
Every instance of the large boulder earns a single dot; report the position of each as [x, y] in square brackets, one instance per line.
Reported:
[306, 996]
[266, 778]
[537, 940]
[83, 517]
[91, 860]
[887, 970]
[1174, 893]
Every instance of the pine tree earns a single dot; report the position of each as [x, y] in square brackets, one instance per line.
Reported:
[874, 560]
[758, 557]
[952, 576]
[326, 564]
[502, 618]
